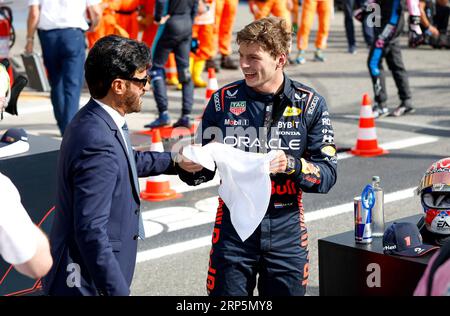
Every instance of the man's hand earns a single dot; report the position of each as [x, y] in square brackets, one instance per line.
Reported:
[365, 9]
[163, 20]
[188, 165]
[279, 163]
[32, 22]
[432, 31]
[29, 46]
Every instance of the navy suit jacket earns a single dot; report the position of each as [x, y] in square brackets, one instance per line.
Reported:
[94, 233]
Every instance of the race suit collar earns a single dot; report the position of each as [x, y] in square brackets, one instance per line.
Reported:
[267, 97]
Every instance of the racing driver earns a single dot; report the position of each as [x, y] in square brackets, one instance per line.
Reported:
[268, 111]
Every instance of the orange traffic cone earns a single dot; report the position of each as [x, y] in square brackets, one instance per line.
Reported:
[367, 144]
[213, 86]
[158, 187]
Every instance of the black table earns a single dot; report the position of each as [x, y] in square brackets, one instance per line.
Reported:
[34, 175]
[347, 268]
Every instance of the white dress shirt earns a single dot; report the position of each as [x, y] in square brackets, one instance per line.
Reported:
[59, 14]
[118, 119]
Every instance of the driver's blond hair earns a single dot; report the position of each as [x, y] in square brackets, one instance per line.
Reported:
[272, 34]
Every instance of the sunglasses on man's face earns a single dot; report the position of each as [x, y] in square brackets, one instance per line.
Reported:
[142, 81]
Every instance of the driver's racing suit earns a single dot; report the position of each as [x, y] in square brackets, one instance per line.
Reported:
[277, 250]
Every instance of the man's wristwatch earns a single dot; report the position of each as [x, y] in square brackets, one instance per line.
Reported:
[290, 167]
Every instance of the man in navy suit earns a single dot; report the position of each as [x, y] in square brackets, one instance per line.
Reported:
[97, 219]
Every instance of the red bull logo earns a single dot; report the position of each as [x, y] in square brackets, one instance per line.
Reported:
[282, 189]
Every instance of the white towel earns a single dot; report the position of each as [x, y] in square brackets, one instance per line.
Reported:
[245, 187]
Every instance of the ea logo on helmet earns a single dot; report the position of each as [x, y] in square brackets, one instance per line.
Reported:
[442, 223]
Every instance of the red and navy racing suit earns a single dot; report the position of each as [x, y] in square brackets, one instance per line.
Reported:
[300, 125]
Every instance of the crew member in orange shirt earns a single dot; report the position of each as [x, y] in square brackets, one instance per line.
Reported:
[279, 8]
[263, 8]
[127, 17]
[203, 32]
[223, 30]
[146, 24]
[108, 23]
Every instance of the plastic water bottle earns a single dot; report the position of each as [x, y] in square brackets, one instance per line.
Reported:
[378, 208]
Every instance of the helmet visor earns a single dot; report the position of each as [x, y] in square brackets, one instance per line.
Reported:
[438, 181]
[436, 200]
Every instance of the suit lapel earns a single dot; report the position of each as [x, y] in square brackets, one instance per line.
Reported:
[96, 108]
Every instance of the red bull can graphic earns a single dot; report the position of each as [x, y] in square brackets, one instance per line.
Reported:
[363, 215]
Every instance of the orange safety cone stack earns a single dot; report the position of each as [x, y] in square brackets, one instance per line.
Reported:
[158, 187]
[367, 144]
[213, 86]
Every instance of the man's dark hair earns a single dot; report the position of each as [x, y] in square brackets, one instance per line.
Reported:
[114, 57]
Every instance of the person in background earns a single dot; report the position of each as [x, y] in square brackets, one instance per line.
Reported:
[175, 19]
[434, 16]
[60, 25]
[97, 214]
[309, 10]
[387, 46]
[149, 29]
[146, 22]
[436, 279]
[367, 30]
[264, 8]
[22, 243]
[282, 9]
[107, 24]
[203, 40]
[223, 30]
[127, 17]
